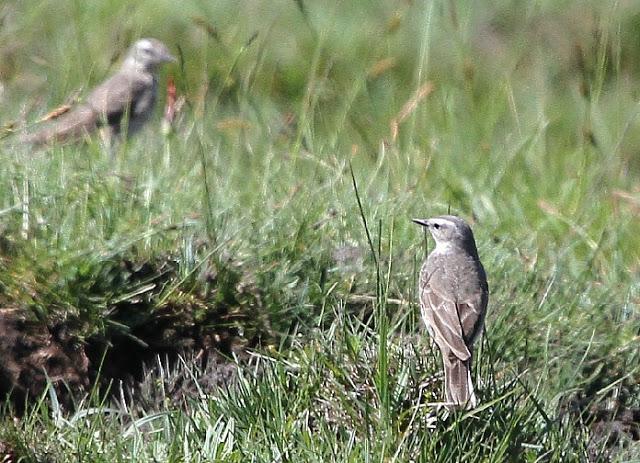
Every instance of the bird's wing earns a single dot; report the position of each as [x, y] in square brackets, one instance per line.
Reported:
[471, 313]
[446, 316]
[443, 316]
[118, 95]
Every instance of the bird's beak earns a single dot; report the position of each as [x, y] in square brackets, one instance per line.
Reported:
[168, 57]
[423, 222]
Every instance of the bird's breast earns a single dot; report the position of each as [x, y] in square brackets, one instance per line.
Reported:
[453, 273]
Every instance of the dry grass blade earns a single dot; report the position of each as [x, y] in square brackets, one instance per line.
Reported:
[380, 67]
[59, 111]
[578, 230]
[633, 201]
[409, 107]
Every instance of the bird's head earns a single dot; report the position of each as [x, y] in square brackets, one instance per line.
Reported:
[449, 231]
[148, 54]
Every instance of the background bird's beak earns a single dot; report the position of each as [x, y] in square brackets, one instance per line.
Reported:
[423, 222]
[169, 58]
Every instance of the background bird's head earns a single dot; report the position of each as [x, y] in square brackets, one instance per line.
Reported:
[147, 55]
[449, 231]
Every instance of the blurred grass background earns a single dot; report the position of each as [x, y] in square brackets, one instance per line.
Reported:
[521, 118]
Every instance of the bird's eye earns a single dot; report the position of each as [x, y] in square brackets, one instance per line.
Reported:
[436, 226]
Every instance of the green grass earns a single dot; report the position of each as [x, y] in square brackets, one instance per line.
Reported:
[531, 132]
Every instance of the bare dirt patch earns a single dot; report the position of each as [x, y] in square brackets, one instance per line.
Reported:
[220, 314]
[33, 354]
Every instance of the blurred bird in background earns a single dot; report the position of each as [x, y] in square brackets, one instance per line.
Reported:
[121, 105]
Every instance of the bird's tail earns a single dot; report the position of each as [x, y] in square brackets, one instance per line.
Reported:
[70, 126]
[459, 390]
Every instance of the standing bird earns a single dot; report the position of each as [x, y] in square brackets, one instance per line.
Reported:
[453, 300]
[122, 103]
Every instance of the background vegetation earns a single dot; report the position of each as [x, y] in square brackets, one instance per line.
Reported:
[241, 228]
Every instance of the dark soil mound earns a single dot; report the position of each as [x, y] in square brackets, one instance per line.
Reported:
[33, 354]
[133, 313]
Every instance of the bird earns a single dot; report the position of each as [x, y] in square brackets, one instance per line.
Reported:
[121, 104]
[454, 294]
